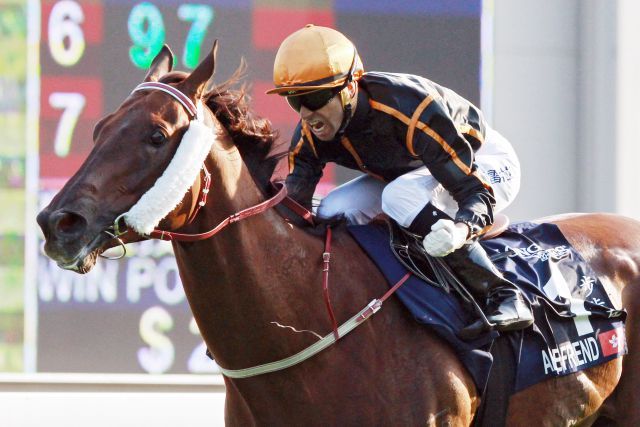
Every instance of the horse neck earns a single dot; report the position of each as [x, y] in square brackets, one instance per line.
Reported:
[251, 274]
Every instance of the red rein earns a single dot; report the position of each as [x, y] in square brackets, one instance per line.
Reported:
[254, 210]
[280, 196]
[238, 216]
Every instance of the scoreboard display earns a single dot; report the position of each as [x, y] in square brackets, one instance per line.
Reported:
[130, 315]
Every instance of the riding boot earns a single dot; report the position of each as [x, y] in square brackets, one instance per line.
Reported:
[505, 306]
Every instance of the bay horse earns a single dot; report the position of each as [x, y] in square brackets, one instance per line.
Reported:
[255, 288]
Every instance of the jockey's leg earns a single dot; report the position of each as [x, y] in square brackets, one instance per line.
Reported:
[499, 164]
[359, 200]
[505, 306]
[416, 201]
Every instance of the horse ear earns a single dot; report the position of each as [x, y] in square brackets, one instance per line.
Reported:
[194, 85]
[161, 65]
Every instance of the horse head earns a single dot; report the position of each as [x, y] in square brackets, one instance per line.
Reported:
[132, 148]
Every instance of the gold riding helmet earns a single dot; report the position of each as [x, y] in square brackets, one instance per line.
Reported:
[315, 58]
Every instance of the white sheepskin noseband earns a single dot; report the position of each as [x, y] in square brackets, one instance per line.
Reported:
[169, 190]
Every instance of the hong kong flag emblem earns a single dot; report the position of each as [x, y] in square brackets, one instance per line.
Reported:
[613, 342]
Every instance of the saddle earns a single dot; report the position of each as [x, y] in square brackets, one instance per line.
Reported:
[500, 224]
[551, 274]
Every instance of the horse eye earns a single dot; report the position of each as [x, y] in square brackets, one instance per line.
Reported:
[158, 137]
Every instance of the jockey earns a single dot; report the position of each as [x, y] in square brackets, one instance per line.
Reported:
[427, 153]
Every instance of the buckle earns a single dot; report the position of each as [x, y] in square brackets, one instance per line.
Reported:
[370, 309]
[326, 257]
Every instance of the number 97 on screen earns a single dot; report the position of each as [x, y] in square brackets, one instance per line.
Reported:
[147, 32]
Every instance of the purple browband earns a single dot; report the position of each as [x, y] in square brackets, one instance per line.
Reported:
[179, 96]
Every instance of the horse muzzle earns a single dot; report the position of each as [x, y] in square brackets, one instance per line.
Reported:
[69, 240]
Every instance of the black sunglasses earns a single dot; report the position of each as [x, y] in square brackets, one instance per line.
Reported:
[313, 100]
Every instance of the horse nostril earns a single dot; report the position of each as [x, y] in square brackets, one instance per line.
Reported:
[43, 221]
[67, 223]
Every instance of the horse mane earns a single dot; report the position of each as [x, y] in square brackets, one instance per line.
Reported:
[254, 136]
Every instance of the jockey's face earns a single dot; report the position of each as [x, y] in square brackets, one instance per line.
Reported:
[324, 122]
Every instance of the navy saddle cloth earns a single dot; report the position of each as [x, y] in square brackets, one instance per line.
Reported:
[576, 325]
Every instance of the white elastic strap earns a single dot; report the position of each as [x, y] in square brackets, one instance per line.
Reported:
[308, 352]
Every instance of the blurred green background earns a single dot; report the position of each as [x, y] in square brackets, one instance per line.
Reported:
[13, 74]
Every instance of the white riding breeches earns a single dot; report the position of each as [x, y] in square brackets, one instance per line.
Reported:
[363, 198]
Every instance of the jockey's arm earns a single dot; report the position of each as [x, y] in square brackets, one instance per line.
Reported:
[450, 159]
